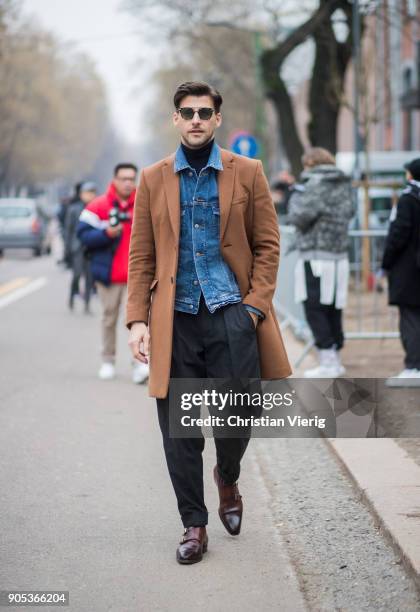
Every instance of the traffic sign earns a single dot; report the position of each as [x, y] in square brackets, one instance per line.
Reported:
[244, 143]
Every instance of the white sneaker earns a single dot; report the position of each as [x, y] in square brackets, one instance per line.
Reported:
[140, 373]
[337, 362]
[329, 367]
[324, 372]
[408, 373]
[106, 371]
[407, 378]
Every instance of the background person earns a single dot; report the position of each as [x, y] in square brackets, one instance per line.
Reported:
[105, 230]
[61, 215]
[320, 208]
[74, 250]
[401, 260]
[281, 191]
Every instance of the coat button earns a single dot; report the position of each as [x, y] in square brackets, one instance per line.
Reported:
[195, 282]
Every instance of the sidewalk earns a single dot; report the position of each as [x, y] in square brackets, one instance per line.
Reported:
[385, 471]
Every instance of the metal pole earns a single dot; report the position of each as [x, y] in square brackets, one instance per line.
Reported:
[356, 88]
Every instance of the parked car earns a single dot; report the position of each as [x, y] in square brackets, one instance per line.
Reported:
[23, 225]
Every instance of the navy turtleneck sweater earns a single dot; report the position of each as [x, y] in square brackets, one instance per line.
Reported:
[198, 158]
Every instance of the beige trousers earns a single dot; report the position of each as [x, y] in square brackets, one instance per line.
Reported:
[112, 298]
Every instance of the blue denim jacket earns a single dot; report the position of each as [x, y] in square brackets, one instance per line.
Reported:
[201, 268]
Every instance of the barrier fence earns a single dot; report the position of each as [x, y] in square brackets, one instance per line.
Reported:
[367, 315]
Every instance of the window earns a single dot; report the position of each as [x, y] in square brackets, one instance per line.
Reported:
[411, 8]
[14, 212]
[407, 79]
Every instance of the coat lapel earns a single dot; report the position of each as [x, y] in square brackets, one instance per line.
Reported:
[171, 186]
[225, 179]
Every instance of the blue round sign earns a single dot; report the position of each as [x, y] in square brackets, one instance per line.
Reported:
[244, 143]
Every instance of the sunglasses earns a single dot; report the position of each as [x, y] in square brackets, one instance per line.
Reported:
[188, 113]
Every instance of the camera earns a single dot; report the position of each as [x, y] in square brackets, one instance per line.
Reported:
[116, 215]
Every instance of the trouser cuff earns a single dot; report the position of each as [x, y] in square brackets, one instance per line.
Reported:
[195, 520]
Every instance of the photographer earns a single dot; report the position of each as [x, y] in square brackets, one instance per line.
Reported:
[104, 229]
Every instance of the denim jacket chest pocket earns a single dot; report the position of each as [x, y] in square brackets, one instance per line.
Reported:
[214, 211]
[185, 220]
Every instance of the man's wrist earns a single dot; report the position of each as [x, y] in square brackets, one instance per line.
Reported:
[254, 310]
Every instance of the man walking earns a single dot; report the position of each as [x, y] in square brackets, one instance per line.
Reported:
[105, 229]
[402, 261]
[203, 263]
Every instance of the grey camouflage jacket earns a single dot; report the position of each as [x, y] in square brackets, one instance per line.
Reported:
[320, 208]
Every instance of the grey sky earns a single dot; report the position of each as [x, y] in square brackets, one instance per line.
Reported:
[104, 33]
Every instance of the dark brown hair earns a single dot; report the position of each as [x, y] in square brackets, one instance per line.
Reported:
[317, 156]
[197, 88]
[125, 166]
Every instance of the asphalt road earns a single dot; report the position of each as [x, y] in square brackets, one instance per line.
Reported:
[87, 505]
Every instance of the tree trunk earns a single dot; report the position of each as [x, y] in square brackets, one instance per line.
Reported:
[276, 91]
[327, 83]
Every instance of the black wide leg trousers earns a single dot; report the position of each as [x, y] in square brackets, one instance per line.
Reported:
[222, 344]
[410, 335]
[325, 320]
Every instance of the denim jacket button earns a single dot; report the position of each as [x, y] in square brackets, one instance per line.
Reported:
[195, 282]
[196, 225]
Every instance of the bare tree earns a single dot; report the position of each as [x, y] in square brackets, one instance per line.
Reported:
[52, 106]
[184, 19]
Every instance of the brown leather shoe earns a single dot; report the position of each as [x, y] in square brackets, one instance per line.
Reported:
[231, 507]
[192, 546]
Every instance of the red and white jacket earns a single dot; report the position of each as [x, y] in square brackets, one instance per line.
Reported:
[108, 265]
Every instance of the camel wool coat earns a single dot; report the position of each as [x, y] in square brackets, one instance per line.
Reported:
[249, 243]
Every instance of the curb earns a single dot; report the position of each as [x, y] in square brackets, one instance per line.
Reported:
[389, 484]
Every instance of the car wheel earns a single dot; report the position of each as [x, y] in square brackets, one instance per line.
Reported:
[38, 252]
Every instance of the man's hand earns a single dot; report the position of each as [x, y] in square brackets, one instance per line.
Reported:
[139, 341]
[114, 231]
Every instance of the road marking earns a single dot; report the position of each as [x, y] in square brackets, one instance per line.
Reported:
[21, 292]
[14, 284]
